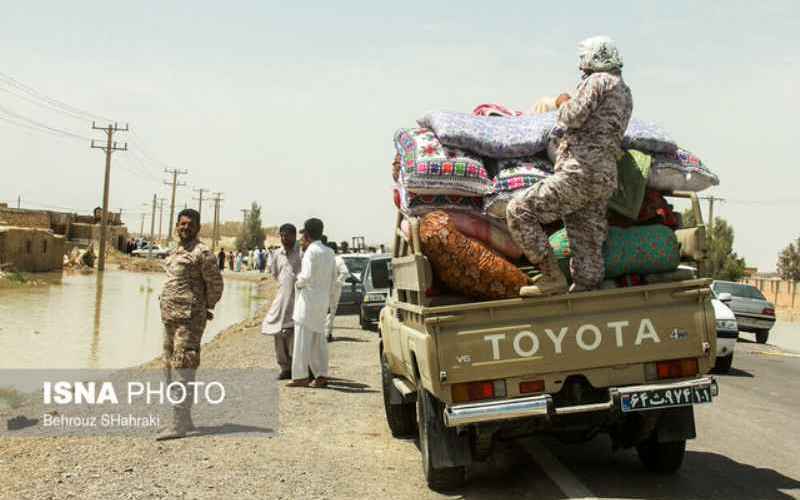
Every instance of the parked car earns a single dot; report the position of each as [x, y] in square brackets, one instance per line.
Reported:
[353, 291]
[377, 284]
[154, 250]
[727, 335]
[754, 313]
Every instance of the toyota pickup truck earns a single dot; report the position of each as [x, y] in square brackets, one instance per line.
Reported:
[630, 362]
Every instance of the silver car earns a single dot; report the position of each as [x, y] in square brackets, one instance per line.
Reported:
[754, 313]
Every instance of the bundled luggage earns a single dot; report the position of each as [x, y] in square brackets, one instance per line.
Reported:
[459, 171]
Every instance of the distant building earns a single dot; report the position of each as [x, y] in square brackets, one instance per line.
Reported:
[32, 238]
[31, 249]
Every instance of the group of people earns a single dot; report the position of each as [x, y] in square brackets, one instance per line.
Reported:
[300, 319]
[589, 132]
[135, 244]
[254, 260]
[300, 316]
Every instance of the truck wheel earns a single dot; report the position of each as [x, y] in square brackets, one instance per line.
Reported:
[662, 458]
[431, 425]
[723, 365]
[762, 337]
[402, 418]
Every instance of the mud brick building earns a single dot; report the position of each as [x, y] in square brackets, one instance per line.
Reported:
[36, 240]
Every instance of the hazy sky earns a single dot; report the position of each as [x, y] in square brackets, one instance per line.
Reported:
[295, 107]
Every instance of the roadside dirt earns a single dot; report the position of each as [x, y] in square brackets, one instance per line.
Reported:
[331, 443]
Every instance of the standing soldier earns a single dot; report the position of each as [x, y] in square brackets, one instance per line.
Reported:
[591, 127]
[193, 288]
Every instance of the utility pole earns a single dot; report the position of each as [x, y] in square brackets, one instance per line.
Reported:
[199, 199]
[711, 200]
[215, 229]
[141, 227]
[109, 148]
[175, 173]
[153, 221]
[245, 212]
[19, 201]
[161, 217]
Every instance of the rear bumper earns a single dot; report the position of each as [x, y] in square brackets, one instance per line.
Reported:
[758, 323]
[371, 311]
[543, 406]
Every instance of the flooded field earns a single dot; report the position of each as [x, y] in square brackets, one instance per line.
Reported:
[98, 321]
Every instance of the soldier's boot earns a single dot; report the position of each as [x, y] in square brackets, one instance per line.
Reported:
[187, 375]
[180, 420]
[550, 281]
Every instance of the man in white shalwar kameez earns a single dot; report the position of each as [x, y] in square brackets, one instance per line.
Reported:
[342, 273]
[315, 285]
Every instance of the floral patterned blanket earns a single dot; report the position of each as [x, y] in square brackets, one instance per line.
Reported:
[517, 136]
[648, 137]
[494, 136]
[427, 167]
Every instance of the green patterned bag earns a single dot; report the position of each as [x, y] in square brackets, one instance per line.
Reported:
[633, 250]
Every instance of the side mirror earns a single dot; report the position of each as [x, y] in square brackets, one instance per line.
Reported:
[725, 297]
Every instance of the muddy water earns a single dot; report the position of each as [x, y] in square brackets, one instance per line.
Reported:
[98, 321]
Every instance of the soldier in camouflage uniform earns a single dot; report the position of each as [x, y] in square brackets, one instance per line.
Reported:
[193, 288]
[590, 127]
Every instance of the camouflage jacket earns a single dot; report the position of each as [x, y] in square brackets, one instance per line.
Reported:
[594, 121]
[193, 284]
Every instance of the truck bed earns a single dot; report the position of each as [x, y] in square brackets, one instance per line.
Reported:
[583, 333]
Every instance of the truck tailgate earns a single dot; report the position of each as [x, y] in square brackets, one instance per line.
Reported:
[573, 333]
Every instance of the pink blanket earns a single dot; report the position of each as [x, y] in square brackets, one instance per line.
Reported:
[495, 110]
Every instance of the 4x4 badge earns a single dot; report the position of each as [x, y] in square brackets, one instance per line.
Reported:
[678, 334]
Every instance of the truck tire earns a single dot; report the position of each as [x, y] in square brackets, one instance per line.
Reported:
[431, 423]
[662, 458]
[762, 336]
[723, 365]
[402, 418]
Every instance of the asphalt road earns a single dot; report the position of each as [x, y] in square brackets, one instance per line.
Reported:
[747, 447]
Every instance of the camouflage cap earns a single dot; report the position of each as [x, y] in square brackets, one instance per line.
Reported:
[599, 53]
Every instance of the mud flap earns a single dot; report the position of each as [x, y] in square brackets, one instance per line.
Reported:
[676, 424]
[448, 448]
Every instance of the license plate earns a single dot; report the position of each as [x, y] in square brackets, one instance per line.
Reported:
[653, 399]
[756, 323]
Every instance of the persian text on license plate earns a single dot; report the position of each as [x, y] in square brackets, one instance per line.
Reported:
[652, 399]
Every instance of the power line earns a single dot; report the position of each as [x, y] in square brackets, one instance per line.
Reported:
[43, 104]
[765, 202]
[10, 80]
[35, 123]
[41, 130]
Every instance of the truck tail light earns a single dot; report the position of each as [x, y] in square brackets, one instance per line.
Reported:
[677, 368]
[531, 386]
[768, 311]
[476, 391]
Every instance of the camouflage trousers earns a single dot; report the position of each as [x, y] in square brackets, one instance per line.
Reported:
[181, 348]
[581, 201]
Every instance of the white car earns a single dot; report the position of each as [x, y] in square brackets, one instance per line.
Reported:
[727, 334]
[154, 250]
